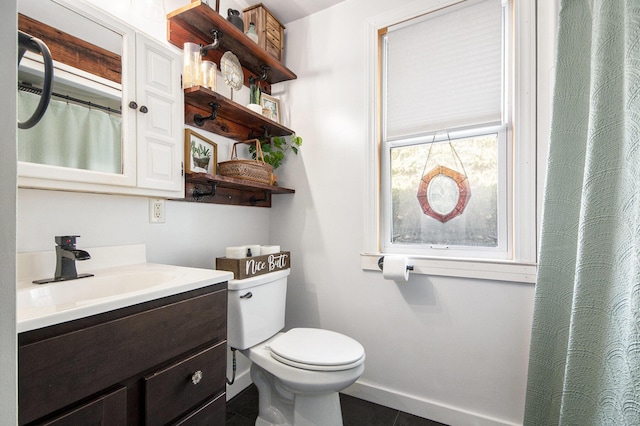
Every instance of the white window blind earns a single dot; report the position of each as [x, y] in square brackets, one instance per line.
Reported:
[444, 70]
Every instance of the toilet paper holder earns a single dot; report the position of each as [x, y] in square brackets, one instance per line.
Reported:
[381, 263]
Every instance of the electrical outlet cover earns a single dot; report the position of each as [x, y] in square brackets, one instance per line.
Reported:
[156, 210]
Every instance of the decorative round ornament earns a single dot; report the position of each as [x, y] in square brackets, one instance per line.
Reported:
[231, 70]
[443, 193]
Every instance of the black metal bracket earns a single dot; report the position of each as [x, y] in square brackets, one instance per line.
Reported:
[263, 77]
[199, 120]
[215, 34]
[253, 200]
[198, 194]
[265, 136]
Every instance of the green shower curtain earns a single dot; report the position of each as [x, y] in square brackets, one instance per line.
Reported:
[584, 366]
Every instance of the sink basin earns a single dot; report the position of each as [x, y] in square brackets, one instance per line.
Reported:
[113, 288]
[87, 290]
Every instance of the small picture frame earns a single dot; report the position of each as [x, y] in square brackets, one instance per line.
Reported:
[272, 104]
[200, 154]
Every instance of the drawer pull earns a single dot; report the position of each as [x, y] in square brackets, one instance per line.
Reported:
[197, 376]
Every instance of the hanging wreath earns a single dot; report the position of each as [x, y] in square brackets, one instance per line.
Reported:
[444, 193]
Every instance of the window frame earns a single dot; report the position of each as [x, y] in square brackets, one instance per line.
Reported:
[521, 106]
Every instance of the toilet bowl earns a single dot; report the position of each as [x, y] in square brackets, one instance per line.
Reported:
[299, 372]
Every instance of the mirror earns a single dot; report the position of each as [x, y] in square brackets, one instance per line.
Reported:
[81, 135]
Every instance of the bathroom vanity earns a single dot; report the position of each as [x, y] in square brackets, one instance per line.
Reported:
[144, 344]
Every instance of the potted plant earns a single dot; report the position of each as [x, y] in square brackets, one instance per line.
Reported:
[254, 97]
[274, 151]
[201, 155]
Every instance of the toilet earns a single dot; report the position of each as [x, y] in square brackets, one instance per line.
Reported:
[299, 372]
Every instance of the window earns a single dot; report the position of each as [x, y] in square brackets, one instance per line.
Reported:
[457, 175]
[417, 180]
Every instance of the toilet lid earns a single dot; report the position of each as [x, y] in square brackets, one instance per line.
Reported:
[317, 349]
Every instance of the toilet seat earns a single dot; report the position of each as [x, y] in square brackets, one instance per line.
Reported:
[316, 349]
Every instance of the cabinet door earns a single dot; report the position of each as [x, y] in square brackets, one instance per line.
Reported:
[211, 413]
[107, 410]
[160, 117]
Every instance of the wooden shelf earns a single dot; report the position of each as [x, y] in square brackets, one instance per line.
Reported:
[202, 187]
[233, 120]
[194, 22]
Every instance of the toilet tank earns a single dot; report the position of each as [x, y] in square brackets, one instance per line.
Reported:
[256, 308]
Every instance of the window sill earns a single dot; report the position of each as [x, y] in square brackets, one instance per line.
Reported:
[463, 268]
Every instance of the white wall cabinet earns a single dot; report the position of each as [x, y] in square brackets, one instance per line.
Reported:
[152, 112]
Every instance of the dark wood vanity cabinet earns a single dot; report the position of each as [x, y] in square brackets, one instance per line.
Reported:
[155, 363]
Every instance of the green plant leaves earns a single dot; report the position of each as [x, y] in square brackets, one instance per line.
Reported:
[274, 151]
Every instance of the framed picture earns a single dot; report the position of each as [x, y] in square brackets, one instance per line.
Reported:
[272, 104]
[200, 154]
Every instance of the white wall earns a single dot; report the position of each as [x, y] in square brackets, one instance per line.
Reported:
[8, 71]
[452, 350]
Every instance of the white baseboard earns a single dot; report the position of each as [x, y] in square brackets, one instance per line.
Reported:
[242, 381]
[432, 410]
[427, 409]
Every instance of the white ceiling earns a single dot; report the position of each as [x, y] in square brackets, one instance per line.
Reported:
[291, 10]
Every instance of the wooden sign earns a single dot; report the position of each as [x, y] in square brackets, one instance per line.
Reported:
[256, 265]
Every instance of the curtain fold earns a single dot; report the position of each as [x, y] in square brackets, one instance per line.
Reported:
[584, 366]
[71, 135]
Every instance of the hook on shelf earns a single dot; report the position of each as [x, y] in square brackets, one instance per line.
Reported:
[253, 200]
[265, 134]
[198, 194]
[215, 34]
[263, 77]
[199, 119]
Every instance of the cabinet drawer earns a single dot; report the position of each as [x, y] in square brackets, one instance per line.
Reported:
[272, 50]
[185, 384]
[273, 29]
[107, 410]
[211, 413]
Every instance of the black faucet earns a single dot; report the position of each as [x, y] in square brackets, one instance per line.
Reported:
[66, 256]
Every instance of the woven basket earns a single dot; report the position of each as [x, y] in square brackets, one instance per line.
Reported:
[252, 170]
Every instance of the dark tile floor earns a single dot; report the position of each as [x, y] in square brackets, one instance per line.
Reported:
[242, 410]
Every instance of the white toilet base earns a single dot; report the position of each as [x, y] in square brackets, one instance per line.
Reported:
[279, 406]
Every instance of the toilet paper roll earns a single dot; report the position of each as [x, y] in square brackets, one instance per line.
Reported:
[395, 268]
[269, 249]
[255, 249]
[236, 252]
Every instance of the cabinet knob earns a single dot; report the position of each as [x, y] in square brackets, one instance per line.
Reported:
[197, 376]
[144, 109]
[133, 105]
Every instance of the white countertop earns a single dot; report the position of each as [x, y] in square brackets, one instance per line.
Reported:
[112, 287]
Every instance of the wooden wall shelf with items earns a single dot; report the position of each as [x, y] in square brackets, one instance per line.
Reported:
[202, 187]
[232, 120]
[194, 23]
